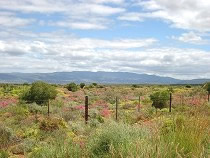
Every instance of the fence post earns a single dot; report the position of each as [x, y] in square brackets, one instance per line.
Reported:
[48, 108]
[139, 104]
[208, 96]
[170, 102]
[86, 109]
[116, 108]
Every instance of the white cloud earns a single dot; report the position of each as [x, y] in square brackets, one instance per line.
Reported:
[185, 14]
[63, 6]
[77, 14]
[191, 37]
[81, 25]
[55, 53]
[131, 16]
[8, 19]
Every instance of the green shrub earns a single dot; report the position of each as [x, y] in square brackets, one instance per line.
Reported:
[40, 92]
[6, 137]
[4, 154]
[82, 85]
[58, 149]
[94, 84]
[115, 139]
[188, 86]
[135, 86]
[160, 99]
[51, 124]
[72, 87]
[184, 137]
[207, 87]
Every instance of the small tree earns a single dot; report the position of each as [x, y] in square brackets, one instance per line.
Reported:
[94, 84]
[82, 85]
[160, 99]
[72, 87]
[135, 86]
[188, 86]
[40, 92]
[207, 87]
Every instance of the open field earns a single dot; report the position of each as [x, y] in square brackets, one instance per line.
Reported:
[140, 130]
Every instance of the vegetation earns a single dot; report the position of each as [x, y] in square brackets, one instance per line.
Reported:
[40, 92]
[26, 130]
[94, 84]
[208, 87]
[72, 87]
[160, 99]
[82, 85]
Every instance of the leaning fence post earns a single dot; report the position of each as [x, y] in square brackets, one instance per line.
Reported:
[116, 108]
[48, 108]
[86, 109]
[170, 102]
[139, 104]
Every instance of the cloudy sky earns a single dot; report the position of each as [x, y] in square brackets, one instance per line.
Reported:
[162, 37]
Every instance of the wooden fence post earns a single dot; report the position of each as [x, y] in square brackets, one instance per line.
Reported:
[170, 102]
[48, 108]
[208, 96]
[116, 108]
[139, 104]
[86, 109]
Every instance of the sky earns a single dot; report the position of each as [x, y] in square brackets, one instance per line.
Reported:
[160, 37]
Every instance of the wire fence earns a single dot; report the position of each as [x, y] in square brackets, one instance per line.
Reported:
[120, 104]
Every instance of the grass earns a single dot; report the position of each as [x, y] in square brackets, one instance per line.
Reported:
[26, 130]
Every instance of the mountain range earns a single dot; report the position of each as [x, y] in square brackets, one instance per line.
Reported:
[97, 77]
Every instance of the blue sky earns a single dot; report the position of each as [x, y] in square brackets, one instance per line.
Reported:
[166, 38]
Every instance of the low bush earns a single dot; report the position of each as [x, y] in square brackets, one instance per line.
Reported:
[82, 85]
[6, 137]
[51, 124]
[4, 154]
[72, 87]
[40, 92]
[116, 140]
[160, 99]
[58, 149]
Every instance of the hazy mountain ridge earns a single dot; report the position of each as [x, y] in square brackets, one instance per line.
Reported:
[98, 77]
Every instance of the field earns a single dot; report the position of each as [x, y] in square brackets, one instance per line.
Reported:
[140, 130]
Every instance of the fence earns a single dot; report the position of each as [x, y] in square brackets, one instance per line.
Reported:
[182, 101]
[173, 100]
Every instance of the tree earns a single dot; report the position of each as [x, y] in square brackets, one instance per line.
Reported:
[94, 84]
[135, 86]
[40, 92]
[72, 87]
[160, 99]
[188, 86]
[82, 85]
[207, 87]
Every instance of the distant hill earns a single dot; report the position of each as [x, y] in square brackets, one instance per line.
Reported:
[90, 77]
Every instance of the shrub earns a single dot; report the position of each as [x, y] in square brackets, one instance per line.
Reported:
[4, 154]
[94, 84]
[207, 87]
[188, 86]
[82, 85]
[72, 87]
[189, 137]
[40, 92]
[51, 124]
[160, 99]
[59, 149]
[135, 86]
[6, 137]
[115, 139]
